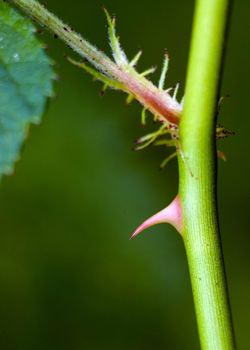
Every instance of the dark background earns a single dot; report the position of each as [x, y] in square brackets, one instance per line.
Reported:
[69, 277]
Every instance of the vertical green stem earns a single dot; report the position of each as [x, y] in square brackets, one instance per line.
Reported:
[198, 176]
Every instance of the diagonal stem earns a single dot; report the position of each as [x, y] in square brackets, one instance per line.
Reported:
[159, 102]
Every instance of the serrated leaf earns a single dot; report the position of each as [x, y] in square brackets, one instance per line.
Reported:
[25, 83]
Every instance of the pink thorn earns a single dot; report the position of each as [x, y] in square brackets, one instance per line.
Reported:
[172, 214]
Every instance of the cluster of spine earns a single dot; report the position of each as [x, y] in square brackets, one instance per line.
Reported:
[122, 75]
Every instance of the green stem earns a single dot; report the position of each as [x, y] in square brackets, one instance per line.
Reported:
[198, 176]
[74, 40]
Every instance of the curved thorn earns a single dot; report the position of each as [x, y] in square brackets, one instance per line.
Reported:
[172, 215]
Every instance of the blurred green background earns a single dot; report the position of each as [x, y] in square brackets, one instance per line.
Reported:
[70, 278]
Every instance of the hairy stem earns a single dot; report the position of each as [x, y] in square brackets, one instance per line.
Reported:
[157, 101]
[38, 12]
[198, 186]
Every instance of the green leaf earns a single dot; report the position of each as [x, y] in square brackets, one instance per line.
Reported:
[25, 83]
